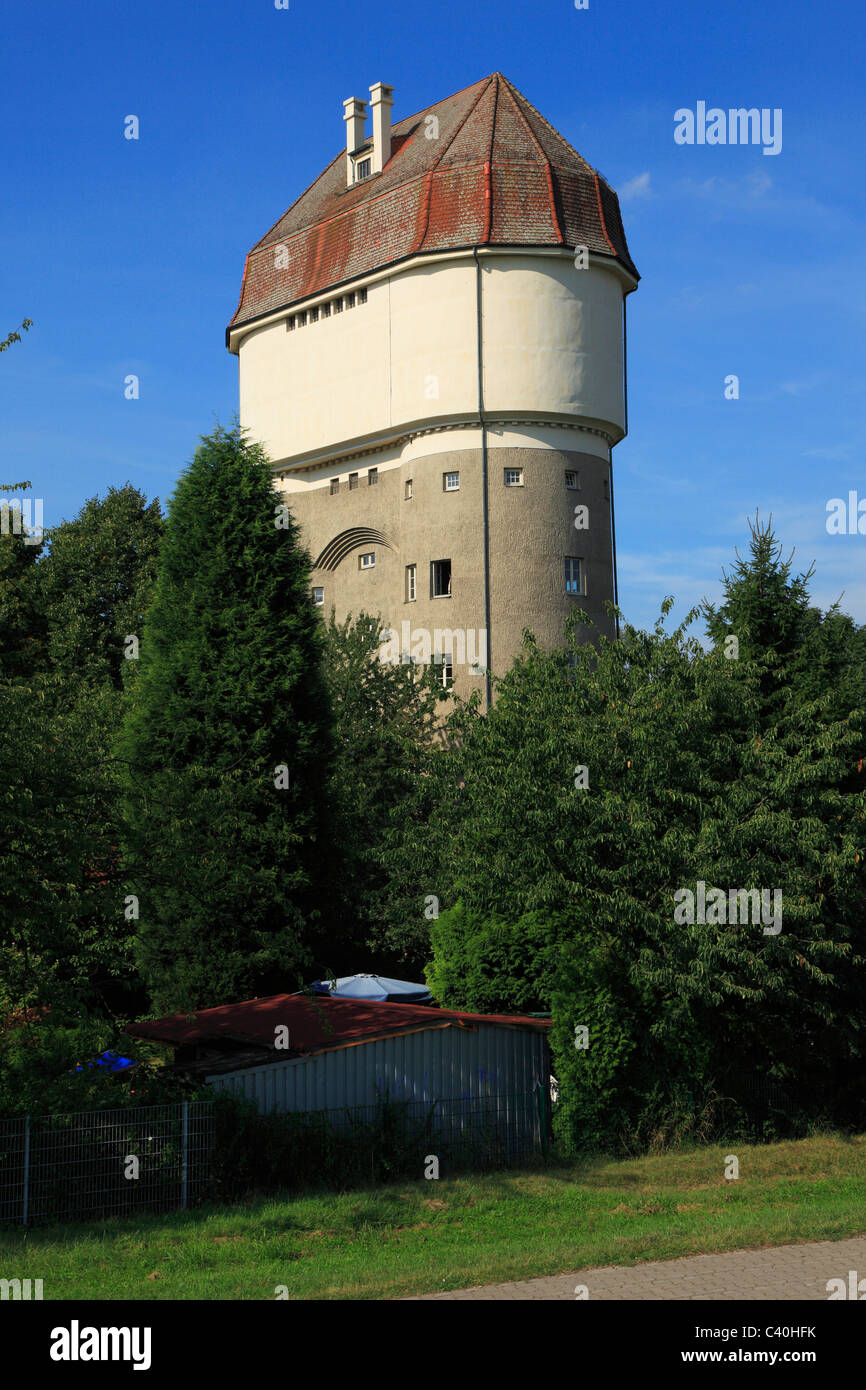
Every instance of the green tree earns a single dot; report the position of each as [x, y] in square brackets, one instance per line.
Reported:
[15, 335]
[65, 940]
[23, 622]
[805, 653]
[605, 780]
[227, 744]
[97, 579]
[384, 727]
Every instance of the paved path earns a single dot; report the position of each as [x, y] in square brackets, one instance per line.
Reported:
[786, 1272]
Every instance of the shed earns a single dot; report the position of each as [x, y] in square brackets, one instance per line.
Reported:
[342, 1054]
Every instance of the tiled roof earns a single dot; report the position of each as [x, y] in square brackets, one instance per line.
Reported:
[497, 174]
[314, 1024]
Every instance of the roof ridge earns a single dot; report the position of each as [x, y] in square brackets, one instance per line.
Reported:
[450, 97]
[552, 128]
[473, 108]
[545, 158]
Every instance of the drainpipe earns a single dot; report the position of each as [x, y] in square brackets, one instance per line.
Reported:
[625, 426]
[484, 488]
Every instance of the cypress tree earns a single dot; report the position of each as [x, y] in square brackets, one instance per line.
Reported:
[227, 743]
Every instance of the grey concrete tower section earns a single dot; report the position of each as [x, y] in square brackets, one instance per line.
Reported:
[531, 534]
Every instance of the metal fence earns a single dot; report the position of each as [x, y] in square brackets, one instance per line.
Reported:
[101, 1163]
[104, 1162]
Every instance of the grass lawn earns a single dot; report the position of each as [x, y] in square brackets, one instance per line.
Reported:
[427, 1236]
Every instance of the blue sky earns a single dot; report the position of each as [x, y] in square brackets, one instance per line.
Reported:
[128, 255]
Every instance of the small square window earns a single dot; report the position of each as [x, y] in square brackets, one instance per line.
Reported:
[372, 477]
[408, 490]
[353, 481]
[326, 311]
[362, 296]
[318, 598]
[514, 477]
[451, 482]
[367, 561]
[573, 576]
[411, 585]
[571, 480]
[335, 486]
[440, 578]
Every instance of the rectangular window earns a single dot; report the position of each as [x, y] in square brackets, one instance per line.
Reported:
[290, 323]
[350, 301]
[451, 482]
[570, 480]
[514, 477]
[314, 315]
[335, 485]
[362, 169]
[302, 319]
[408, 491]
[353, 481]
[326, 311]
[446, 660]
[573, 576]
[440, 578]
[411, 574]
[318, 598]
[338, 306]
[366, 562]
[362, 296]
[372, 477]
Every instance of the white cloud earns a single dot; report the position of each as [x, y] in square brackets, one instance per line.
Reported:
[638, 187]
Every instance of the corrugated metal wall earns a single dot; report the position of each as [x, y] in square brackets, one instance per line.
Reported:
[434, 1064]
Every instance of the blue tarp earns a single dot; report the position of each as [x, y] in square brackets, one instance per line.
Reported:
[377, 987]
[109, 1061]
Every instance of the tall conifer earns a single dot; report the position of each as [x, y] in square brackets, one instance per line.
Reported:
[227, 743]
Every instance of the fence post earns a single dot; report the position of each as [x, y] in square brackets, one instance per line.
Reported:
[183, 1186]
[25, 1211]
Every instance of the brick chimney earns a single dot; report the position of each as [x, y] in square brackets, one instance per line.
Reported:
[355, 116]
[381, 101]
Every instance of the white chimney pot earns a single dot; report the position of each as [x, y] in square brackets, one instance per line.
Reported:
[381, 101]
[355, 116]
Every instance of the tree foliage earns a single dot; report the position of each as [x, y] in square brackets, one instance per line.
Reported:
[384, 727]
[227, 744]
[683, 785]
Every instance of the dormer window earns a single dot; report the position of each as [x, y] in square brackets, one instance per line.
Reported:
[363, 168]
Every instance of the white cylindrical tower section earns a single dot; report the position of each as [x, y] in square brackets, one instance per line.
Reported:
[405, 354]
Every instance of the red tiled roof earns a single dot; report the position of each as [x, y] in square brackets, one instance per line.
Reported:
[314, 1024]
[498, 174]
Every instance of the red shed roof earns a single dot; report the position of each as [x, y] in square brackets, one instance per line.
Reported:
[495, 174]
[314, 1023]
